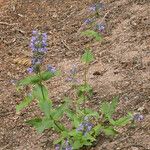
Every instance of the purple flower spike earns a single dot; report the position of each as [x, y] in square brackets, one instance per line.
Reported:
[38, 45]
[44, 35]
[38, 42]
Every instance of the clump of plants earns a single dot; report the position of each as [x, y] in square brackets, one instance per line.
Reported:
[86, 124]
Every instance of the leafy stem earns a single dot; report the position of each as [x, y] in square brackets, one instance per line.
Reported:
[40, 84]
[85, 84]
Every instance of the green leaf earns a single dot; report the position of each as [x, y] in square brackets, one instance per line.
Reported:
[76, 122]
[64, 134]
[40, 93]
[88, 143]
[90, 112]
[45, 124]
[105, 109]
[61, 126]
[85, 88]
[109, 131]
[46, 75]
[28, 99]
[81, 99]
[59, 111]
[91, 33]
[29, 80]
[58, 140]
[70, 114]
[34, 122]
[46, 107]
[87, 57]
[88, 138]
[77, 145]
[113, 104]
[109, 108]
[97, 129]
[41, 124]
[122, 121]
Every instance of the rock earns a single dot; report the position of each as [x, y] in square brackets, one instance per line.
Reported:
[134, 148]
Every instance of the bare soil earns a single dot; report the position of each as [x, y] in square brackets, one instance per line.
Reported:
[122, 65]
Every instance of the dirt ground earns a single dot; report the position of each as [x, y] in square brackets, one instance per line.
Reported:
[122, 65]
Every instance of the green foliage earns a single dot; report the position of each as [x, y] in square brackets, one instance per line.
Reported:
[87, 57]
[109, 131]
[97, 130]
[34, 122]
[80, 140]
[40, 93]
[46, 107]
[59, 111]
[93, 34]
[41, 124]
[91, 113]
[109, 108]
[79, 116]
[122, 121]
[27, 100]
[35, 79]
[46, 75]
[29, 80]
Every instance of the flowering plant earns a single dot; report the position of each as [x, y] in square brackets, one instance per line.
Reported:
[86, 124]
[84, 130]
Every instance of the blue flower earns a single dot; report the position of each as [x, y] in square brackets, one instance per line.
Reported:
[36, 61]
[96, 7]
[73, 70]
[72, 75]
[34, 32]
[38, 45]
[88, 21]
[81, 127]
[100, 27]
[30, 69]
[39, 42]
[138, 117]
[85, 126]
[66, 146]
[51, 69]
[57, 147]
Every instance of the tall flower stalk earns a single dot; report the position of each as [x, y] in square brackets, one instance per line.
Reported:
[38, 45]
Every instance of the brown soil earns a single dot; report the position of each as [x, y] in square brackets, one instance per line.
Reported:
[122, 65]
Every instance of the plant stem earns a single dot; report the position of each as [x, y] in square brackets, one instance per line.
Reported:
[85, 84]
[40, 84]
[50, 115]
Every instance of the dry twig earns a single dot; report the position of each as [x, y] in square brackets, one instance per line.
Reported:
[8, 24]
